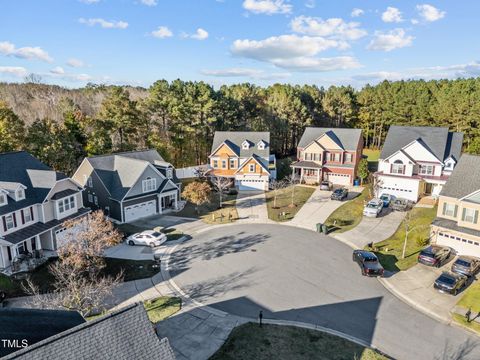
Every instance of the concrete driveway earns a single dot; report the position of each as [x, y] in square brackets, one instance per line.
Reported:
[298, 275]
[251, 207]
[319, 207]
[372, 229]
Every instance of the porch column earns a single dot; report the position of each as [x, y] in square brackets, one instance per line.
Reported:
[318, 175]
[4, 265]
[38, 242]
[160, 210]
[51, 240]
[176, 200]
[301, 175]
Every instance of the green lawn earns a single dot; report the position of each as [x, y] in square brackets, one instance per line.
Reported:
[161, 308]
[349, 215]
[284, 200]
[471, 298]
[390, 251]
[473, 325]
[249, 341]
[372, 157]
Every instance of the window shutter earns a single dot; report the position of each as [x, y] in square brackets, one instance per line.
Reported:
[444, 208]
[15, 219]
[31, 212]
[464, 211]
[475, 220]
[455, 211]
[23, 216]
[4, 223]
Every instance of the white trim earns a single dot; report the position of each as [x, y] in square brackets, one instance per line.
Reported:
[219, 146]
[471, 194]
[56, 183]
[143, 172]
[240, 167]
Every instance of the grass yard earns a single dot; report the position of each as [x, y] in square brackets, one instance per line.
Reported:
[372, 157]
[389, 251]
[161, 308]
[249, 341]
[473, 325]
[349, 215]
[284, 200]
[471, 298]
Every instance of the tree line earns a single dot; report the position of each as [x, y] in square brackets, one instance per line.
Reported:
[179, 118]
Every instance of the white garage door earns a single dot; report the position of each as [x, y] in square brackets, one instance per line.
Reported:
[461, 245]
[64, 235]
[246, 185]
[338, 179]
[138, 211]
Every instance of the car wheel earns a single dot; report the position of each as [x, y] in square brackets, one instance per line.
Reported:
[131, 243]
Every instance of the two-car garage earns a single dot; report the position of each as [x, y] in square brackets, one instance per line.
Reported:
[338, 179]
[140, 210]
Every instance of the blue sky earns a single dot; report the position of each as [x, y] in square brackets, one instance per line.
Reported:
[323, 42]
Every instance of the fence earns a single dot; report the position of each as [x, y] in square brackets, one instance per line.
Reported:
[188, 172]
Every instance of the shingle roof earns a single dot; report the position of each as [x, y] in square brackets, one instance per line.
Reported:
[124, 334]
[438, 140]
[453, 225]
[21, 167]
[465, 178]
[34, 325]
[234, 139]
[346, 138]
[307, 164]
[63, 193]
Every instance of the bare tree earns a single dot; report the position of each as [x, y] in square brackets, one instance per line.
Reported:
[33, 79]
[276, 185]
[409, 227]
[221, 184]
[201, 172]
[291, 181]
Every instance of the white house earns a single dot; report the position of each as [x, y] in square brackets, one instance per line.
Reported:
[417, 161]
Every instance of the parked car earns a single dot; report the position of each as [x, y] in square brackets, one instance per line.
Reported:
[150, 238]
[373, 208]
[466, 265]
[434, 255]
[326, 185]
[339, 194]
[400, 205]
[368, 262]
[387, 199]
[450, 282]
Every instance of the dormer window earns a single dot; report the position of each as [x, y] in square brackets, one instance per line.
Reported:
[149, 184]
[261, 145]
[3, 199]
[245, 145]
[169, 173]
[20, 194]
[398, 167]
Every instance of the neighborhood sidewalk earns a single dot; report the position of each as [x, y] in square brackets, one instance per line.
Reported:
[251, 207]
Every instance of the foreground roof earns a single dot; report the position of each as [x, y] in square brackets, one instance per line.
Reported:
[465, 178]
[124, 334]
[346, 138]
[234, 140]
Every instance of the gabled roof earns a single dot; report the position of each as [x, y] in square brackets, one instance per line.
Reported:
[34, 325]
[346, 138]
[234, 140]
[125, 334]
[465, 178]
[438, 140]
[38, 178]
[257, 159]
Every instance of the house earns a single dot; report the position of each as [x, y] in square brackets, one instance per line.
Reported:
[417, 161]
[328, 154]
[124, 334]
[244, 157]
[24, 327]
[35, 201]
[130, 185]
[457, 224]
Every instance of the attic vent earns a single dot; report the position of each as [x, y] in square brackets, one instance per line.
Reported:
[245, 145]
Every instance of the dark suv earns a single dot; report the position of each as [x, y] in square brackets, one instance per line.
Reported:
[434, 255]
[339, 194]
[368, 262]
[466, 265]
[450, 283]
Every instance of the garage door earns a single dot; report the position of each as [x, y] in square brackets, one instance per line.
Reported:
[461, 245]
[141, 210]
[64, 235]
[246, 185]
[338, 179]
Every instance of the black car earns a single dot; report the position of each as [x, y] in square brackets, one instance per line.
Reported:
[450, 282]
[339, 194]
[434, 255]
[466, 265]
[368, 262]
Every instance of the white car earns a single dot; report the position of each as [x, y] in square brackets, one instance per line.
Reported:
[373, 208]
[150, 238]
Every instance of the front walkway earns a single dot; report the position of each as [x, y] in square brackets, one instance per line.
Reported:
[318, 208]
[251, 207]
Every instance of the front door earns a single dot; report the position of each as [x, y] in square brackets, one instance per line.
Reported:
[428, 188]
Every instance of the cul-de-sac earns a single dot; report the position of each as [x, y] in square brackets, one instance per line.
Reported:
[236, 180]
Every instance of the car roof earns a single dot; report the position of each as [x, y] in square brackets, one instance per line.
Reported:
[366, 253]
[451, 275]
[375, 201]
[148, 232]
[466, 257]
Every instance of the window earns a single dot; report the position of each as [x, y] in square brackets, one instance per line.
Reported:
[261, 145]
[232, 163]
[245, 145]
[348, 157]
[470, 215]
[20, 194]
[27, 215]
[450, 209]
[215, 164]
[95, 200]
[316, 157]
[224, 164]
[9, 222]
[251, 168]
[90, 198]
[66, 204]
[337, 157]
[3, 199]
[308, 156]
[169, 173]
[90, 181]
[398, 167]
[149, 184]
[426, 169]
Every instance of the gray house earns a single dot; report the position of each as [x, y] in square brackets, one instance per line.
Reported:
[35, 201]
[130, 185]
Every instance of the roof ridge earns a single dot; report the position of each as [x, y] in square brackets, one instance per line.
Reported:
[120, 153]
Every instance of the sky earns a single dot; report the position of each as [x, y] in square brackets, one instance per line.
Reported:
[321, 42]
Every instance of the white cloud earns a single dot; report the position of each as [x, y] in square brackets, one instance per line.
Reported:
[28, 52]
[112, 24]
[388, 41]
[334, 27]
[149, 2]
[200, 34]
[356, 12]
[13, 70]
[268, 7]
[245, 72]
[162, 32]
[312, 64]
[471, 69]
[378, 76]
[310, 4]
[57, 70]
[430, 13]
[76, 63]
[392, 15]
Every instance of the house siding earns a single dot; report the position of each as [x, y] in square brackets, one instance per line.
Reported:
[136, 189]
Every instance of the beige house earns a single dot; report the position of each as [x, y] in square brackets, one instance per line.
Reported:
[458, 223]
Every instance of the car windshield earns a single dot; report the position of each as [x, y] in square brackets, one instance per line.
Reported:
[338, 191]
[427, 253]
[384, 197]
[370, 259]
[156, 234]
[325, 183]
[446, 279]
[462, 262]
[372, 205]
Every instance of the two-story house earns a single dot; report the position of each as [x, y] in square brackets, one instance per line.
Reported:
[130, 185]
[458, 222]
[244, 157]
[35, 201]
[417, 161]
[325, 154]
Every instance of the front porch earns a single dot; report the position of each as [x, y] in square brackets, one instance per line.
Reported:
[307, 175]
